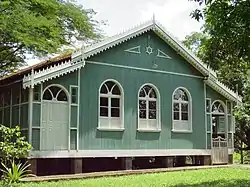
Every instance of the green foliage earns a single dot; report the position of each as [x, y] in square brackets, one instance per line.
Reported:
[196, 42]
[227, 50]
[13, 145]
[41, 27]
[15, 173]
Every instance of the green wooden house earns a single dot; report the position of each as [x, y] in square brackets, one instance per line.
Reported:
[137, 95]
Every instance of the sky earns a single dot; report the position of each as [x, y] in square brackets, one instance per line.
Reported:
[120, 15]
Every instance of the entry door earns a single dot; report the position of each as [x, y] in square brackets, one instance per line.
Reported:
[219, 151]
[54, 127]
[219, 141]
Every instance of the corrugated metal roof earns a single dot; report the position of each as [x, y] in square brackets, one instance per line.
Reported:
[35, 67]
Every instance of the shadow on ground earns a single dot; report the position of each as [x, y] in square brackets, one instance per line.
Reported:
[218, 183]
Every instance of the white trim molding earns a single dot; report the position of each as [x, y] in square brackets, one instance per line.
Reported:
[30, 114]
[136, 50]
[122, 153]
[143, 69]
[53, 71]
[161, 54]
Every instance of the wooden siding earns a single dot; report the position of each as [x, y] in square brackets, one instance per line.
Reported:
[131, 80]
[213, 95]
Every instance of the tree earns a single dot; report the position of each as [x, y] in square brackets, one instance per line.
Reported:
[227, 50]
[196, 42]
[41, 27]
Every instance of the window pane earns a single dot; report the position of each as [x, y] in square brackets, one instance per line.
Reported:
[47, 95]
[62, 96]
[103, 101]
[73, 99]
[152, 114]
[116, 90]
[142, 93]
[36, 97]
[152, 105]
[73, 139]
[142, 104]
[221, 109]
[104, 89]
[180, 94]
[184, 107]
[152, 94]
[208, 105]
[110, 84]
[115, 112]
[24, 96]
[147, 88]
[184, 116]
[142, 114]
[176, 107]
[54, 90]
[176, 115]
[104, 111]
[115, 102]
[217, 107]
[73, 91]
[229, 108]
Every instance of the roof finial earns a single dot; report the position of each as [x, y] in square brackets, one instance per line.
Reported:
[154, 18]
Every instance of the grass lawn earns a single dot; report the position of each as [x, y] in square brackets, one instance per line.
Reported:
[220, 177]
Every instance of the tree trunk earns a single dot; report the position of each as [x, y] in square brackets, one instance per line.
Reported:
[241, 153]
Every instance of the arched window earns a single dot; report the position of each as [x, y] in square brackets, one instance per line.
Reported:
[55, 93]
[111, 106]
[182, 110]
[148, 108]
[217, 108]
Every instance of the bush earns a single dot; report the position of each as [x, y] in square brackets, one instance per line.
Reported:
[13, 147]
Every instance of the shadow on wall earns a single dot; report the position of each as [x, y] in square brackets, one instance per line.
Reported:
[218, 183]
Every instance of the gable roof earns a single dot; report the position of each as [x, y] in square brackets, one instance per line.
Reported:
[153, 25]
[78, 58]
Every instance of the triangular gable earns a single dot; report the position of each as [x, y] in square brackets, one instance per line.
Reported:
[147, 51]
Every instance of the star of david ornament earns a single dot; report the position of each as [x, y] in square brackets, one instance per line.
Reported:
[149, 50]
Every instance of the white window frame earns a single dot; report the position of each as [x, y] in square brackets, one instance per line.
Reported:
[108, 120]
[180, 122]
[158, 111]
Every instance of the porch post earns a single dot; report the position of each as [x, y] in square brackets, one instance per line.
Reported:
[127, 163]
[76, 165]
[30, 115]
[168, 161]
[33, 165]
